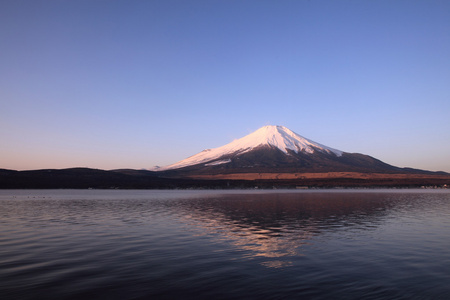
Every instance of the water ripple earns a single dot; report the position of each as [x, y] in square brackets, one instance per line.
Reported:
[199, 245]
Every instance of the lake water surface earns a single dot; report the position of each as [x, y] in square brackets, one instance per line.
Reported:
[120, 244]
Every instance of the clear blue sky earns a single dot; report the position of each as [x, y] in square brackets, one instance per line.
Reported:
[133, 84]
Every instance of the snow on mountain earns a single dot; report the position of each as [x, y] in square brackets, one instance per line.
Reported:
[276, 136]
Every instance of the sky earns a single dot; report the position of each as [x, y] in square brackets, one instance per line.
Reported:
[133, 84]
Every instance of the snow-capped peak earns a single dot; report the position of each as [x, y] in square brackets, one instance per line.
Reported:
[277, 136]
[285, 139]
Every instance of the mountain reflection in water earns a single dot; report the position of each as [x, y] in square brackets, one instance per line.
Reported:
[275, 226]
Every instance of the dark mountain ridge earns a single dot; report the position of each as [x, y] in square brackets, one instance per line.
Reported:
[84, 178]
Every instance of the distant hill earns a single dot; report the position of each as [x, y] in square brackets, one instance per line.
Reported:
[80, 178]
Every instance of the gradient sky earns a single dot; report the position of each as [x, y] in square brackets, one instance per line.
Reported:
[133, 84]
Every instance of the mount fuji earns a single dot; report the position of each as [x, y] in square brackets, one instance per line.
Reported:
[277, 149]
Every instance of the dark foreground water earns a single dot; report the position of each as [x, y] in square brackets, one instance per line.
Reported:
[70, 244]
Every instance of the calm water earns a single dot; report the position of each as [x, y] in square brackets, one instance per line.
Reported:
[95, 244]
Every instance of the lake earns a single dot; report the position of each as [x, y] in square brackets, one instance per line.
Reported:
[228, 244]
